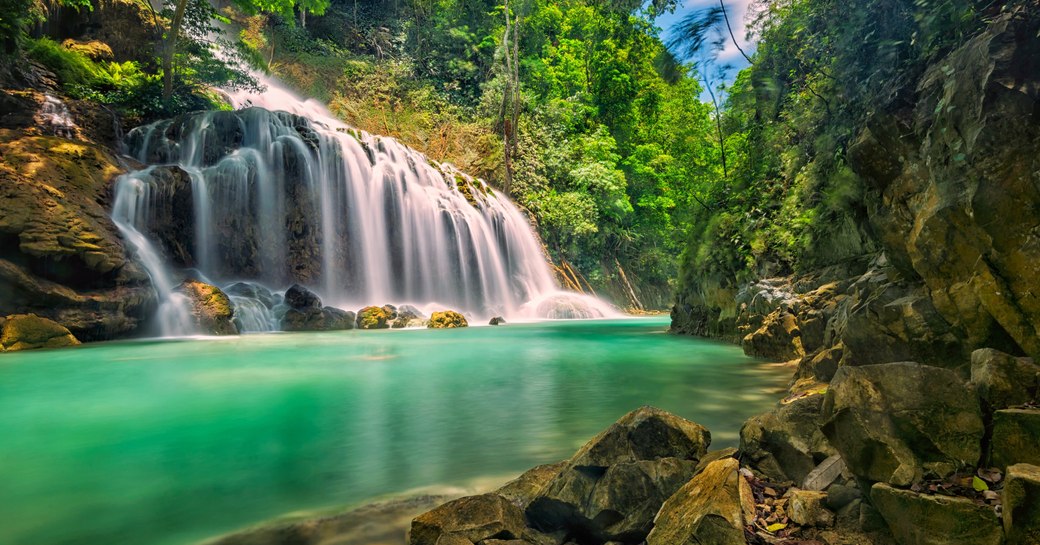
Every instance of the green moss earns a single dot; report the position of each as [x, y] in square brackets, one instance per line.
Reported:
[29, 331]
[447, 319]
[373, 318]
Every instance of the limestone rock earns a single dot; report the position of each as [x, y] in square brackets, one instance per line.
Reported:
[711, 508]
[1016, 437]
[447, 319]
[919, 519]
[786, 442]
[1002, 380]
[527, 486]
[211, 308]
[779, 338]
[809, 508]
[373, 318]
[468, 520]
[29, 332]
[899, 422]
[647, 433]
[1021, 503]
[613, 486]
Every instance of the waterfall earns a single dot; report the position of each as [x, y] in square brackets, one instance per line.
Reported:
[278, 192]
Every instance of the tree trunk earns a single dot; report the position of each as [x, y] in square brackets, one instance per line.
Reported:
[170, 48]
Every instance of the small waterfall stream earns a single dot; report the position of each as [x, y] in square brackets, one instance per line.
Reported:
[280, 192]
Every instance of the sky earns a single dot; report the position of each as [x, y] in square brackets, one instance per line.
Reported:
[737, 10]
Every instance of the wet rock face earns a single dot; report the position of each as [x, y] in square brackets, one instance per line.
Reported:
[901, 422]
[211, 308]
[960, 200]
[61, 257]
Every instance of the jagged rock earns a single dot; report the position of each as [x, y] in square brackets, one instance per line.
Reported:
[391, 312]
[1002, 380]
[712, 508]
[779, 338]
[1021, 505]
[919, 519]
[30, 332]
[1016, 437]
[468, 520]
[899, 422]
[957, 184]
[302, 299]
[522, 490]
[373, 318]
[211, 308]
[808, 508]
[714, 455]
[61, 257]
[447, 319]
[786, 443]
[497, 320]
[612, 487]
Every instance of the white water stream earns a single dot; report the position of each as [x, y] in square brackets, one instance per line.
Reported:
[360, 219]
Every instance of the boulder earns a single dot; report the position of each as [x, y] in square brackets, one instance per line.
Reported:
[786, 443]
[322, 319]
[1002, 380]
[211, 308]
[900, 422]
[302, 299]
[409, 316]
[779, 338]
[1021, 505]
[467, 521]
[613, 486]
[391, 312]
[1016, 437]
[522, 490]
[809, 508]
[29, 332]
[919, 519]
[373, 318]
[252, 290]
[497, 320]
[447, 319]
[711, 508]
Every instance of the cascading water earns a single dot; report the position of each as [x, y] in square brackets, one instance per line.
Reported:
[267, 195]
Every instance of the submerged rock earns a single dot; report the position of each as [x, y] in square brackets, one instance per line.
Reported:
[447, 319]
[211, 308]
[899, 422]
[920, 519]
[712, 508]
[29, 332]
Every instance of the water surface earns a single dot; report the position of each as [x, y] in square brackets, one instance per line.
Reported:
[171, 442]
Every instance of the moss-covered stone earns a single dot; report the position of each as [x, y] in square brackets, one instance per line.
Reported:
[447, 319]
[1021, 503]
[920, 519]
[29, 332]
[211, 308]
[1016, 437]
[373, 318]
[94, 50]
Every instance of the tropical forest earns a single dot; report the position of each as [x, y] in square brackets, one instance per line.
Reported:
[519, 272]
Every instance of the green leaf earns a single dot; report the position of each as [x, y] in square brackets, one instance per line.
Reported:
[979, 485]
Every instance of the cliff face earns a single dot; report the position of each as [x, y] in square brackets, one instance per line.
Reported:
[61, 256]
[953, 185]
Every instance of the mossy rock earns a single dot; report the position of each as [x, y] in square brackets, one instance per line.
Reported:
[29, 332]
[373, 318]
[211, 308]
[94, 50]
[447, 319]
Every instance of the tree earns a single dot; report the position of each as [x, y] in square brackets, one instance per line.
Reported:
[193, 19]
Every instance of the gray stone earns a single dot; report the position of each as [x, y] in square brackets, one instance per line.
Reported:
[919, 519]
